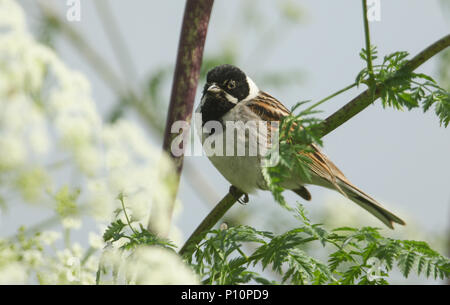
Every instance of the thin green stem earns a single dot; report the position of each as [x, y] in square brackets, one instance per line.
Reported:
[368, 49]
[67, 237]
[98, 274]
[88, 254]
[330, 97]
[125, 212]
[421, 85]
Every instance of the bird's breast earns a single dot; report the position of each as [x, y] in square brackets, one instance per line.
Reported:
[233, 148]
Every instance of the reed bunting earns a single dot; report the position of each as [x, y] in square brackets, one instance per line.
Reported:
[230, 95]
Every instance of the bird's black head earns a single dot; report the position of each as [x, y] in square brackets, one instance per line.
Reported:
[229, 79]
[226, 85]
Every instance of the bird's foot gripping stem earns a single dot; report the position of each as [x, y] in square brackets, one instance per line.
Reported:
[240, 196]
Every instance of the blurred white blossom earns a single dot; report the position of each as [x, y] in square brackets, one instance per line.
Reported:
[146, 265]
[48, 121]
[152, 265]
[48, 237]
[71, 222]
[13, 273]
[16, 155]
[33, 257]
[96, 241]
[32, 183]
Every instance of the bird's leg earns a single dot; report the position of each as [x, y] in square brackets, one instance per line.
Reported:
[237, 194]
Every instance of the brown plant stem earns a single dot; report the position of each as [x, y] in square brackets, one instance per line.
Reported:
[187, 72]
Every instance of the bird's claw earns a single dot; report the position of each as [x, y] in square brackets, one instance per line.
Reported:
[238, 195]
[243, 200]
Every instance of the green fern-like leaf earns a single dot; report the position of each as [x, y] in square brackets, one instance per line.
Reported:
[406, 262]
[114, 230]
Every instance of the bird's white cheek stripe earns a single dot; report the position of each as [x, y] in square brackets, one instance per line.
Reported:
[231, 98]
[253, 90]
[228, 96]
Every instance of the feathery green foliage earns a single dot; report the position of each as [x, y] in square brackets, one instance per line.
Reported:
[118, 229]
[358, 256]
[402, 88]
[296, 134]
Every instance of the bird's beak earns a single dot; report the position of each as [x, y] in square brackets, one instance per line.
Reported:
[214, 89]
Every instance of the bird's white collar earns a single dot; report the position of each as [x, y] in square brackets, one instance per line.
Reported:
[253, 90]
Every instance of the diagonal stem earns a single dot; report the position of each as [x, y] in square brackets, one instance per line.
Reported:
[366, 98]
[330, 97]
[217, 213]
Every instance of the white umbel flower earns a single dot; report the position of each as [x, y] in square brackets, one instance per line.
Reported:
[13, 273]
[158, 266]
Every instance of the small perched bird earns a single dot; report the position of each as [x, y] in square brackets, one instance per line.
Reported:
[230, 95]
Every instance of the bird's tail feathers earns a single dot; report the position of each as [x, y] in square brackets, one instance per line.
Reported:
[369, 204]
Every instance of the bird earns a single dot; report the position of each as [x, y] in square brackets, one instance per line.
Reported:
[230, 96]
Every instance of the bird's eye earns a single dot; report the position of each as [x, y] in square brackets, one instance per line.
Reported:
[231, 84]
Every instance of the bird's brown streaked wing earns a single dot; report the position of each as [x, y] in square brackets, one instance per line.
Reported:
[271, 109]
[330, 165]
[268, 107]
[325, 169]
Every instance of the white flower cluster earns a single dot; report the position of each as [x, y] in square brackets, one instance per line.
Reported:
[56, 150]
[147, 265]
[20, 260]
